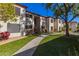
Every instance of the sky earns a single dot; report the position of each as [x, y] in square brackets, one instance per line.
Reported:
[40, 9]
[37, 8]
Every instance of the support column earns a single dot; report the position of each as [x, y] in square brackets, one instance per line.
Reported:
[22, 28]
[33, 24]
[40, 24]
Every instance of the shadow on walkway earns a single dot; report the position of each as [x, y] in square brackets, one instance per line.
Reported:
[61, 46]
[28, 52]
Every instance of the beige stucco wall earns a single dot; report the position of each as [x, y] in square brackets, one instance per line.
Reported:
[3, 28]
[51, 24]
[73, 26]
[60, 25]
[4, 24]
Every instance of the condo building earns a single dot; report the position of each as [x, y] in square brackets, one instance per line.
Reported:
[30, 23]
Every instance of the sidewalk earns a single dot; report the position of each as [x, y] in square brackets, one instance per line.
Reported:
[74, 33]
[10, 40]
[55, 33]
[30, 48]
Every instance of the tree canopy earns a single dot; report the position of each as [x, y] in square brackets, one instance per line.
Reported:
[64, 11]
[7, 11]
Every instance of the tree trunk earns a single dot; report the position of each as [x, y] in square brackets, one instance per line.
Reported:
[67, 28]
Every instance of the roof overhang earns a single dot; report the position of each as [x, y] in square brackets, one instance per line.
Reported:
[20, 5]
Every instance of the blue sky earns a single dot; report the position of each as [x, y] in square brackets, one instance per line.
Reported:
[38, 8]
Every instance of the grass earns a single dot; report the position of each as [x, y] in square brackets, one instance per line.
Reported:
[58, 45]
[9, 48]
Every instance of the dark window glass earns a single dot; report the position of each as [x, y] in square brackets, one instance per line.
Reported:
[28, 26]
[54, 20]
[27, 15]
[51, 28]
[51, 20]
[30, 16]
[59, 21]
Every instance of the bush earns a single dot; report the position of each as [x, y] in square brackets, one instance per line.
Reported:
[4, 35]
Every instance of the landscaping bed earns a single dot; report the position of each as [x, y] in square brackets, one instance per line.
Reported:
[9, 48]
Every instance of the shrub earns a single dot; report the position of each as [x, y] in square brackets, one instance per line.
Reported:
[4, 35]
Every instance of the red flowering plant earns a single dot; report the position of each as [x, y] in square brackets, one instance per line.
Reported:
[4, 35]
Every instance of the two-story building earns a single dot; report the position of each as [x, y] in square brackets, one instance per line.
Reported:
[15, 27]
[37, 23]
[28, 22]
[58, 25]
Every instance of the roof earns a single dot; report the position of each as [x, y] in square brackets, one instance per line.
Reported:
[72, 22]
[38, 14]
[33, 13]
[20, 5]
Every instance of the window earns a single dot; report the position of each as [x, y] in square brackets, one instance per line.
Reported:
[27, 15]
[59, 21]
[51, 20]
[54, 20]
[28, 26]
[51, 28]
[30, 16]
[17, 11]
[43, 23]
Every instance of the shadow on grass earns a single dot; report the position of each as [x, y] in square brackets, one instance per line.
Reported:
[61, 46]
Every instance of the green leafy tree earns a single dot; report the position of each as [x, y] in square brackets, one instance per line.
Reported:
[7, 11]
[63, 11]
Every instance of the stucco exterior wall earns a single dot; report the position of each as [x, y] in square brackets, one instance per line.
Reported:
[4, 25]
[41, 20]
[60, 25]
[73, 26]
[51, 24]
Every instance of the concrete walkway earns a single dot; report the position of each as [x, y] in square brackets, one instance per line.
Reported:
[55, 33]
[74, 33]
[30, 48]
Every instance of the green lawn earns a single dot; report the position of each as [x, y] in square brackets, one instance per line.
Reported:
[58, 45]
[9, 48]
